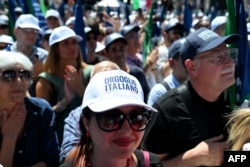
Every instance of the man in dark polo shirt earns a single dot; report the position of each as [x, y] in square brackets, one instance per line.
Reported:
[189, 129]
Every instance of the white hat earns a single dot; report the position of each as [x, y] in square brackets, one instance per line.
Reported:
[70, 20]
[18, 9]
[27, 21]
[217, 22]
[6, 39]
[4, 20]
[112, 89]
[99, 47]
[52, 13]
[248, 27]
[246, 147]
[61, 33]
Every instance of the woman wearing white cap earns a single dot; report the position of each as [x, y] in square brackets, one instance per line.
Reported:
[113, 122]
[66, 75]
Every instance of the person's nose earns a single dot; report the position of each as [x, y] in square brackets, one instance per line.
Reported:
[125, 127]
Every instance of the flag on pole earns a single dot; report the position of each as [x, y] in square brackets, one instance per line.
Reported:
[237, 24]
[187, 18]
[148, 32]
[33, 7]
[127, 13]
[79, 28]
[148, 4]
[136, 4]
[12, 16]
[43, 6]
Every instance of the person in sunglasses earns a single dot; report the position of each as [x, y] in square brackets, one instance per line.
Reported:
[189, 129]
[113, 120]
[27, 133]
[72, 132]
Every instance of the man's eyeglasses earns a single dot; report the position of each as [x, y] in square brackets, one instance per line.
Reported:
[219, 57]
[11, 75]
[113, 120]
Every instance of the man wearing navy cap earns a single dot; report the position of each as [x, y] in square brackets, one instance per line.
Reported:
[171, 32]
[189, 129]
[173, 80]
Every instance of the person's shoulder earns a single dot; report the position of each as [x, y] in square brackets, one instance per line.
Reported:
[142, 156]
[38, 101]
[75, 114]
[41, 51]
[158, 88]
[35, 104]
[135, 70]
[169, 100]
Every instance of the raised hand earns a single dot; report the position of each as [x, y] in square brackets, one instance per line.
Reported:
[12, 122]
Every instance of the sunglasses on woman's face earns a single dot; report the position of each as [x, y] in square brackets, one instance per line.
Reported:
[11, 75]
[113, 120]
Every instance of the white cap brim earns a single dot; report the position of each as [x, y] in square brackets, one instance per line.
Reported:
[105, 105]
[77, 37]
[30, 26]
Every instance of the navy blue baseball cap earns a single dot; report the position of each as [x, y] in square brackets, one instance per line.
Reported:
[111, 38]
[175, 48]
[203, 40]
[128, 28]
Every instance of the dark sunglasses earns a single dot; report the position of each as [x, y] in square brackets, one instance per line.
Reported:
[88, 38]
[11, 75]
[4, 26]
[113, 120]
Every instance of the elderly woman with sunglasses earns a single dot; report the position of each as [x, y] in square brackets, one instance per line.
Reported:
[27, 133]
[113, 121]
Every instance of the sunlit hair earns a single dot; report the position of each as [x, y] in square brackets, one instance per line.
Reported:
[10, 59]
[52, 61]
[80, 155]
[239, 128]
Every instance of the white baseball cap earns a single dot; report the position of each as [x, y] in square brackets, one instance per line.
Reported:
[61, 33]
[99, 47]
[4, 20]
[52, 13]
[112, 89]
[70, 20]
[6, 39]
[218, 21]
[27, 21]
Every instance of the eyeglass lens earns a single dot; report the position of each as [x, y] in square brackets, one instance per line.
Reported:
[11, 75]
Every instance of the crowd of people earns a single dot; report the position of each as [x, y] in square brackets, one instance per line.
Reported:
[115, 106]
